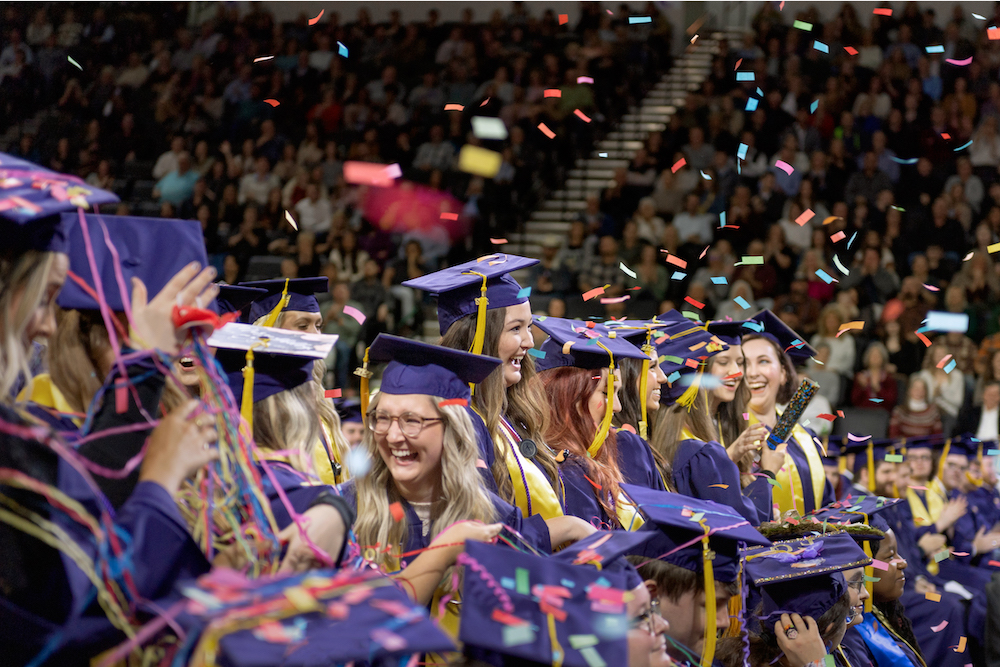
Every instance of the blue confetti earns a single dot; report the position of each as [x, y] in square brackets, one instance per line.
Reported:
[719, 280]
[524, 293]
[820, 46]
[824, 276]
[752, 104]
[568, 583]
[981, 18]
[760, 93]
[853, 236]
[640, 19]
[708, 178]
[678, 275]
[935, 49]
[963, 146]
[539, 354]
[814, 106]
[992, 452]
[741, 152]
[341, 49]
[742, 303]
[950, 366]
[722, 220]
[910, 160]
[507, 582]
[673, 377]
[876, 400]
[602, 155]
[754, 325]
[744, 76]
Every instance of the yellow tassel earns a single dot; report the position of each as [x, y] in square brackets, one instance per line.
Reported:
[736, 606]
[643, 386]
[246, 403]
[869, 575]
[842, 459]
[871, 465]
[272, 317]
[944, 457]
[691, 393]
[557, 650]
[364, 374]
[609, 407]
[480, 337]
[708, 653]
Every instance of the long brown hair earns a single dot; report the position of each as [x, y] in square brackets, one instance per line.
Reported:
[523, 405]
[631, 370]
[787, 390]
[730, 424]
[667, 432]
[24, 278]
[568, 390]
[73, 355]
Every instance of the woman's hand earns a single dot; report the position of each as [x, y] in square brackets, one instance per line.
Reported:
[152, 322]
[799, 639]
[567, 529]
[453, 539]
[931, 543]
[952, 512]
[178, 447]
[750, 440]
[324, 526]
[771, 460]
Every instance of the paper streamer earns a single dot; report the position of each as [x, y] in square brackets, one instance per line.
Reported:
[314, 20]
[355, 313]
[784, 166]
[959, 63]
[546, 131]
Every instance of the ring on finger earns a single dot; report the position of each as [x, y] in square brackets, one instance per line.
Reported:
[791, 633]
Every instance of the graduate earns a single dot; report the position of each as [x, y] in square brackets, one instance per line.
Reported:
[56, 539]
[581, 383]
[977, 533]
[835, 467]
[352, 423]
[686, 437]
[291, 304]
[691, 568]
[423, 464]
[770, 375]
[805, 600]
[933, 511]
[482, 309]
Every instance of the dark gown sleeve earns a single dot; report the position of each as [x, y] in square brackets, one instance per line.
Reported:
[301, 496]
[636, 461]
[580, 495]
[115, 451]
[534, 530]
[486, 455]
[704, 470]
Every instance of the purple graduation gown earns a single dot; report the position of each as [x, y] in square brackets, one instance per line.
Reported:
[701, 469]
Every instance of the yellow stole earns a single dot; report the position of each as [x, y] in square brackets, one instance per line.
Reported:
[627, 513]
[925, 515]
[527, 478]
[45, 393]
[322, 455]
[790, 494]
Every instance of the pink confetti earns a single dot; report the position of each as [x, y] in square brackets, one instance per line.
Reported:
[677, 165]
[617, 299]
[552, 92]
[959, 63]
[584, 79]
[839, 236]
[582, 116]
[546, 131]
[498, 241]
[368, 173]
[449, 216]
[932, 288]
[355, 313]
[746, 416]
[454, 107]
[940, 626]
[702, 255]
[806, 216]
[590, 294]
[784, 166]
[263, 58]
[485, 102]
[880, 565]
[993, 33]
[676, 261]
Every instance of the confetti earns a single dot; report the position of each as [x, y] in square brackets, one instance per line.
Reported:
[814, 106]
[582, 116]
[882, 11]
[880, 565]
[839, 236]
[719, 486]
[639, 19]
[940, 626]
[695, 303]
[563, 19]
[74, 63]
[627, 271]
[745, 76]
[538, 354]
[741, 152]
[738, 63]
[355, 313]
[332, 393]
[676, 261]
[552, 92]
[722, 220]
[590, 294]
[546, 131]
[291, 221]
[464, 402]
[584, 79]
[680, 163]
[315, 19]
[802, 25]
[702, 255]
[977, 16]
[950, 367]
[850, 326]
[959, 63]
[341, 49]
[272, 102]
[784, 166]
[820, 46]
[931, 288]
[993, 33]
[961, 643]
[945, 136]
[449, 216]
[826, 416]
[840, 267]
[719, 280]
[678, 275]
[524, 293]
[479, 161]
[750, 259]
[962, 147]
[911, 160]
[942, 321]
[454, 107]
[742, 303]
[924, 339]
[752, 103]
[937, 48]
[263, 58]
[825, 277]
[498, 241]
[367, 173]
[705, 176]
[602, 155]
[616, 299]
[894, 458]
[851, 50]
[806, 216]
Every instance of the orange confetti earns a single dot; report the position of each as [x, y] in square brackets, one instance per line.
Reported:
[546, 131]
[738, 63]
[993, 33]
[827, 416]
[945, 136]
[850, 326]
[933, 597]
[315, 20]
[553, 92]
[332, 393]
[464, 402]
[693, 302]
[882, 11]
[851, 50]
[590, 294]
[273, 103]
[831, 219]
[961, 643]
[484, 102]
[582, 116]
[563, 19]
[719, 486]
[396, 509]
[926, 341]
[677, 165]
[691, 363]
[498, 241]
[676, 261]
[839, 236]
[806, 216]
[840, 413]
[944, 360]
[454, 107]
[449, 216]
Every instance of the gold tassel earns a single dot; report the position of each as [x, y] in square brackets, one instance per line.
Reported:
[869, 575]
[480, 337]
[609, 407]
[944, 457]
[648, 349]
[871, 465]
[708, 653]
[364, 374]
[246, 403]
[736, 606]
[558, 655]
[691, 393]
[272, 317]
[842, 459]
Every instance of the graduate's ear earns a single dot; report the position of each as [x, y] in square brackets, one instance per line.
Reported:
[652, 588]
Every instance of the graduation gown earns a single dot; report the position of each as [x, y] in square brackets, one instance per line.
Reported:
[581, 500]
[883, 647]
[637, 463]
[704, 470]
[983, 512]
[802, 485]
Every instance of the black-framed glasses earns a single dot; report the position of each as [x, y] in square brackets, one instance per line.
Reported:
[857, 584]
[410, 424]
[645, 620]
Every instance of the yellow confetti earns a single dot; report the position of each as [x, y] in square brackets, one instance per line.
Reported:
[301, 599]
[993, 248]
[933, 597]
[479, 161]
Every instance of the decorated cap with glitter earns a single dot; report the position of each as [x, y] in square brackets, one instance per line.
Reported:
[301, 295]
[416, 367]
[802, 576]
[581, 344]
[784, 336]
[541, 609]
[124, 247]
[458, 288]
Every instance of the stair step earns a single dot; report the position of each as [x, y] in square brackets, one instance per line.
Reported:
[547, 227]
[591, 173]
[563, 206]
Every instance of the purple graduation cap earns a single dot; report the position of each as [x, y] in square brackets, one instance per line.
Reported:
[459, 288]
[685, 341]
[581, 344]
[357, 618]
[421, 368]
[125, 247]
[31, 199]
[868, 454]
[802, 576]
[349, 410]
[731, 332]
[783, 336]
[301, 295]
[235, 299]
[541, 609]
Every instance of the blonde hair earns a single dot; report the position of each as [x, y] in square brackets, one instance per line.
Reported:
[73, 355]
[287, 422]
[328, 415]
[667, 432]
[24, 279]
[461, 496]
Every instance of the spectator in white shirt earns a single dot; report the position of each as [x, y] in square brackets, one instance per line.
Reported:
[321, 57]
[167, 162]
[256, 187]
[692, 226]
[450, 48]
[39, 29]
[15, 44]
[650, 226]
[314, 213]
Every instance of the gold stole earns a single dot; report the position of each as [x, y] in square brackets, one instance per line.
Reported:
[925, 515]
[45, 393]
[527, 478]
[788, 494]
[323, 454]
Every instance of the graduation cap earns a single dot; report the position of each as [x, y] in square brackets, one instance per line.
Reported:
[802, 576]
[590, 346]
[321, 618]
[32, 199]
[605, 549]
[460, 290]
[697, 535]
[349, 410]
[731, 332]
[421, 368]
[680, 360]
[235, 298]
[269, 360]
[783, 336]
[128, 247]
[868, 454]
[540, 609]
[298, 294]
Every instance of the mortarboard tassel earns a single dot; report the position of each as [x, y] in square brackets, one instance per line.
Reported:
[557, 649]
[609, 407]
[842, 459]
[364, 374]
[648, 349]
[246, 403]
[272, 317]
[944, 457]
[480, 337]
[691, 393]
[871, 465]
[708, 653]
[869, 575]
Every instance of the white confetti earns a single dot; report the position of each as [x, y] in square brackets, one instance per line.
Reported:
[291, 221]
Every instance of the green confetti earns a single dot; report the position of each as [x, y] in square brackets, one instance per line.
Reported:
[871, 579]
[74, 63]
[773, 482]
[592, 657]
[521, 576]
[894, 458]
[828, 661]
[802, 25]
[517, 635]
[671, 358]
[582, 641]
[751, 259]
[941, 555]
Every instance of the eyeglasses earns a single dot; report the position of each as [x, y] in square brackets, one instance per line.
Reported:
[857, 584]
[645, 620]
[410, 424]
